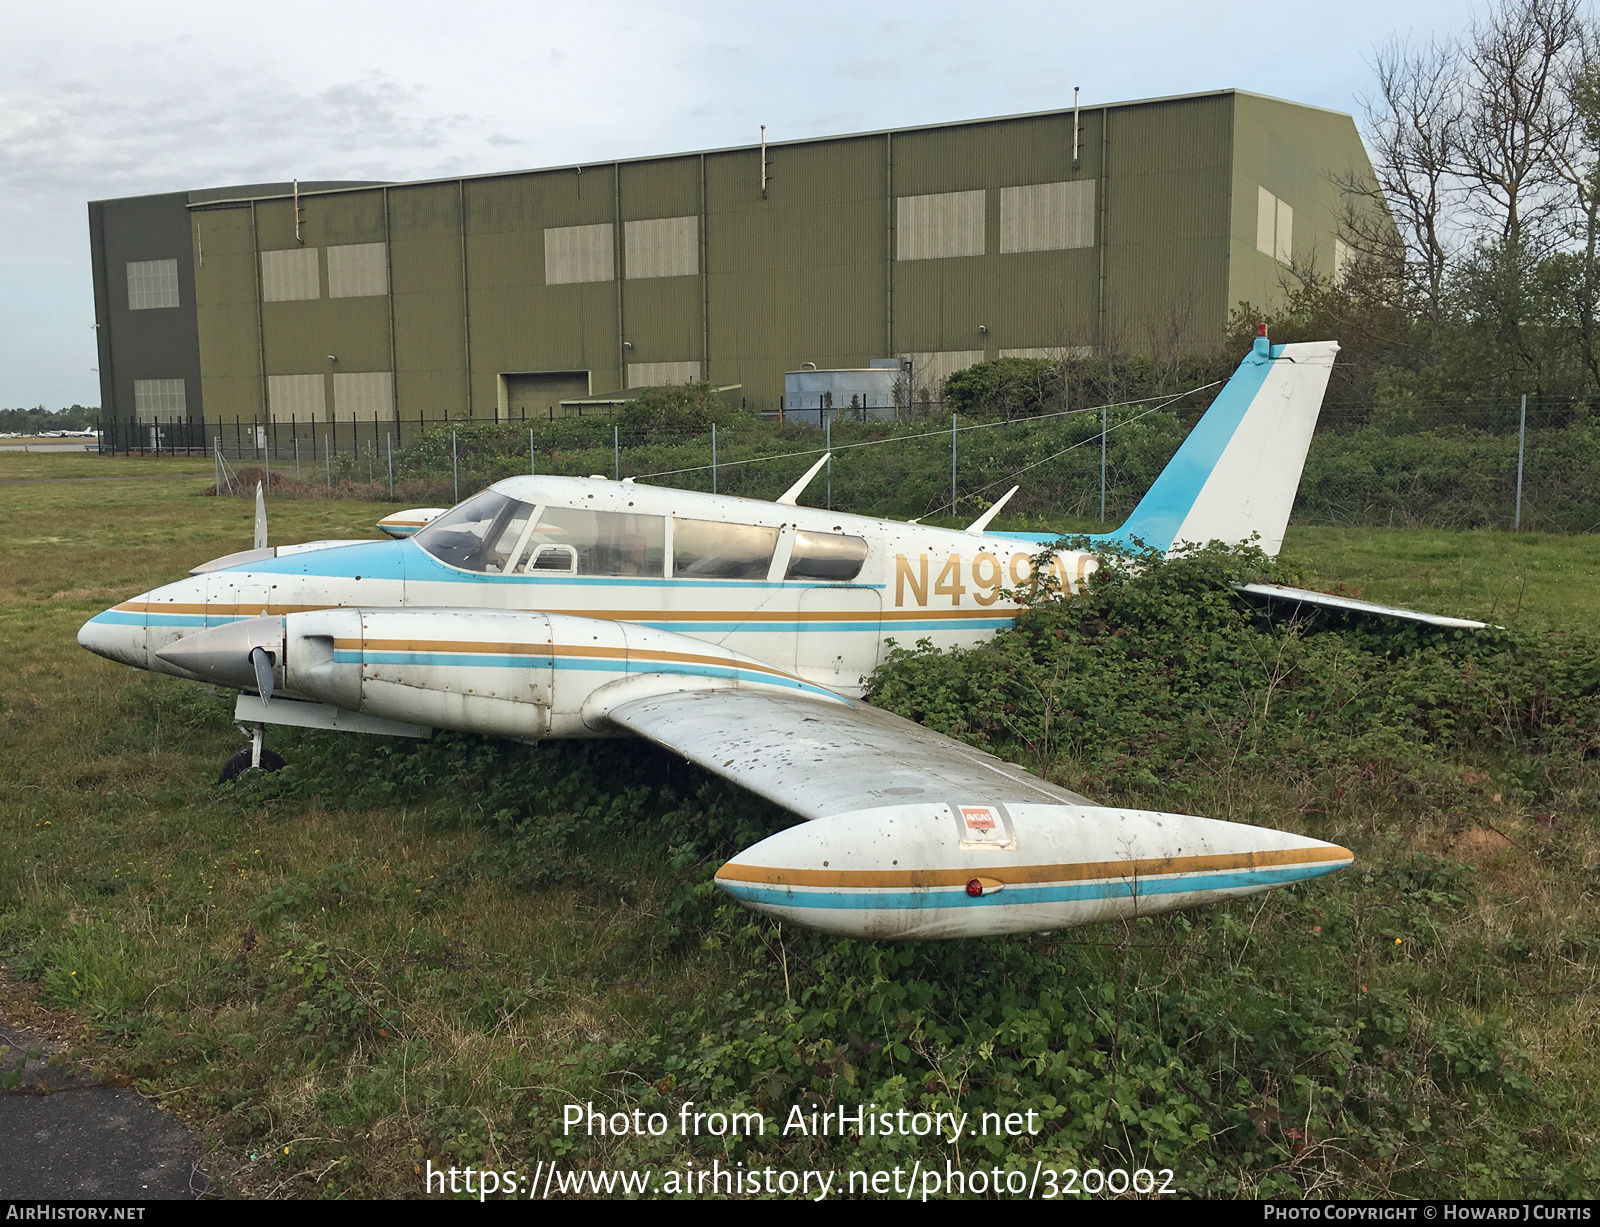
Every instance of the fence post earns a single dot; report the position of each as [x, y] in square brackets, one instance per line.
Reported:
[1102, 464]
[455, 466]
[327, 463]
[952, 464]
[616, 449]
[1522, 441]
[533, 456]
[827, 446]
[713, 457]
[266, 464]
[388, 447]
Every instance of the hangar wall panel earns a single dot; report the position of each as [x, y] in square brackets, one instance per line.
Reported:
[1166, 215]
[429, 299]
[226, 276]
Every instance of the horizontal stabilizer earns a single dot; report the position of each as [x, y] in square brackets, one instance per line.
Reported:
[1279, 593]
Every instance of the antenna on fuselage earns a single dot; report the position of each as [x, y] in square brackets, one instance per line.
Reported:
[788, 497]
[975, 529]
[261, 519]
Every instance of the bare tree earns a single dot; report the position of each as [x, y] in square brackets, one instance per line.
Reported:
[1578, 166]
[1518, 117]
[1414, 125]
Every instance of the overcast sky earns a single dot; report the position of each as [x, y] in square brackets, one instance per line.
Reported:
[124, 97]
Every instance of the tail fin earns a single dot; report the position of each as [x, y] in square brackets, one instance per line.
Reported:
[1238, 471]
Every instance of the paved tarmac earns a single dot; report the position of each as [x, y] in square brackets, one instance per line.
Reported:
[65, 1133]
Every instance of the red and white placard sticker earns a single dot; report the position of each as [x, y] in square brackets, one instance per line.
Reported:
[979, 819]
[984, 826]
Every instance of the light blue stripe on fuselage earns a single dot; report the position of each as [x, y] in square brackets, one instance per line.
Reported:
[492, 660]
[1061, 892]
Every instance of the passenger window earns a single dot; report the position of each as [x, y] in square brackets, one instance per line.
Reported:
[826, 556]
[560, 558]
[601, 542]
[477, 535]
[704, 550]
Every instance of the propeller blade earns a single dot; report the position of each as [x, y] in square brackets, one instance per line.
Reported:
[261, 519]
[262, 660]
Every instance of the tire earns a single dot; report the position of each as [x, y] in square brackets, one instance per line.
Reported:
[240, 763]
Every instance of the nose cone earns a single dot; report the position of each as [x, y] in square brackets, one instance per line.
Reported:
[222, 654]
[118, 635]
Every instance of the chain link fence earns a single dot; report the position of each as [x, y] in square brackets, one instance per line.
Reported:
[1453, 467]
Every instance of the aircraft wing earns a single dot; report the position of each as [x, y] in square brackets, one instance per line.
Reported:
[1345, 604]
[819, 759]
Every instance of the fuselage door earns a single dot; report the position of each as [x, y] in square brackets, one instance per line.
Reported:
[839, 635]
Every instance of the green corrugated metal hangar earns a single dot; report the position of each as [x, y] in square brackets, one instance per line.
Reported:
[1127, 227]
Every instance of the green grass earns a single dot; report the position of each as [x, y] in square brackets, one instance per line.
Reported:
[343, 974]
[1529, 580]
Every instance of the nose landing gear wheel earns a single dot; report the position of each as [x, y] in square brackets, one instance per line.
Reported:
[255, 758]
[241, 762]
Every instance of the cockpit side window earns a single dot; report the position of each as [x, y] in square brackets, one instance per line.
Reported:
[830, 557]
[702, 549]
[602, 542]
[479, 534]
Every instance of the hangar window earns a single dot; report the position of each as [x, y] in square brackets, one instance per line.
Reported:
[579, 253]
[364, 396]
[1047, 216]
[479, 535]
[302, 397]
[1274, 227]
[945, 224]
[662, 247]
[358, 270]
[661, 374]
[705, 550]
[159, 400]
[830, 557]
[289, 275]
[601, 542]
[152, 283]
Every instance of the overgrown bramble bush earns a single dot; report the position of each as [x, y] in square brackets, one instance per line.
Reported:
[1159, 676]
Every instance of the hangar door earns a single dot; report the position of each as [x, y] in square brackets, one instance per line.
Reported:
[538, 394]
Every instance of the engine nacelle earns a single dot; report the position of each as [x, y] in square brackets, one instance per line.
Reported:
[508, 673]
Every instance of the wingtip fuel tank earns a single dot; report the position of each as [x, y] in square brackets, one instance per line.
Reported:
[975, 869]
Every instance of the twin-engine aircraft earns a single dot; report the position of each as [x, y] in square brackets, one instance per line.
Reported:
[739, 633]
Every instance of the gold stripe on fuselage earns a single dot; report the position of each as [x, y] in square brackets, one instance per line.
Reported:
[1016, 874]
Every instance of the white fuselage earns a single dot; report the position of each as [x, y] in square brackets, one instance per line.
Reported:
[828, 622]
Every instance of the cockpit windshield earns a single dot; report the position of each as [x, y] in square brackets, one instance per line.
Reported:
[481, 534]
